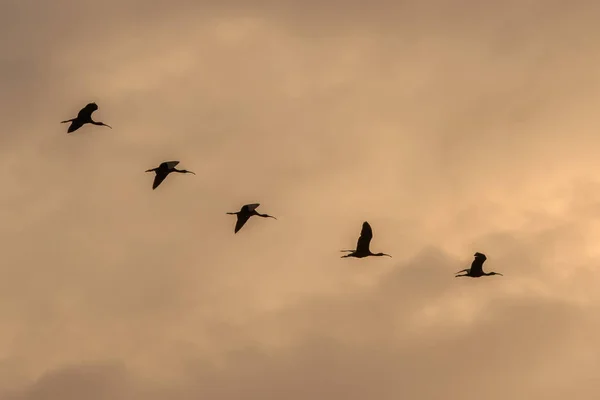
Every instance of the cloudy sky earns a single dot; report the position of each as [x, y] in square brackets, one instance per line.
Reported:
[451, 126]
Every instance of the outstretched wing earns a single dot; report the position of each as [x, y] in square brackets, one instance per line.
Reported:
[250, 207]
[160, 176]
[169, 164]
[366, 234]
[241, 220]
[76, 124]
[86, 112]
[477, 264]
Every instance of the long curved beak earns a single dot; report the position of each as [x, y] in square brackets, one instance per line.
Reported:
[106, 125]
[387, 255]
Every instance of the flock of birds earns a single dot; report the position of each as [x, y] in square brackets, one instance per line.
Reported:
[366, 235]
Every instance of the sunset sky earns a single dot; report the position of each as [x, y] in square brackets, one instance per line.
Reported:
[451, 126]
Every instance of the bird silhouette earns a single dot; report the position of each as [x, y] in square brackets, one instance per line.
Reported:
[245, 213]
[164, 169]
[84, 117]
[362, 246]
[476, 269]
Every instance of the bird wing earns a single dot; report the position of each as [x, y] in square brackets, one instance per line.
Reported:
[76, 124]
[170, 164]
[251, 207]
[241, 220]
[160, 176]
[477, 264]
[366, 234]
[86, 112]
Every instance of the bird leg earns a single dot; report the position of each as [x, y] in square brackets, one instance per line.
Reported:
[69, 120]
[348, 255]
[265, 216]
[460, 276]
[464, 270]
[346, 250]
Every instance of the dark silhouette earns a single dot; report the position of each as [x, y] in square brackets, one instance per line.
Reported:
[245, 213]
[362, 247]
[84, 117]
[476, 269]
[164, 169]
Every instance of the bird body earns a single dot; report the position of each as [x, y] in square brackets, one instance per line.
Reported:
[363, 244]
[163, 170]
[84, 116]
[476, 269]
[245, 213]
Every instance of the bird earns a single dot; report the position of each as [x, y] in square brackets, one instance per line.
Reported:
[84, 117]
[245, 213]
[362, 246]
[165, 169]
[476, 269]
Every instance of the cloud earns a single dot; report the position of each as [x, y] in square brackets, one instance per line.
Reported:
[451, 128]
[382, 342]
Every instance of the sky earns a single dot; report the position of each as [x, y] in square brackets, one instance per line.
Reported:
[450, 126]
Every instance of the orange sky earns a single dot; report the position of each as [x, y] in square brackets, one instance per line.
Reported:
[451, 126]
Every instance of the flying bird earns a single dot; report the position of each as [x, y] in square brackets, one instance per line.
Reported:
[476, 269]
[245, 213]
[362, 246]
[164, 169]
[84, 117]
